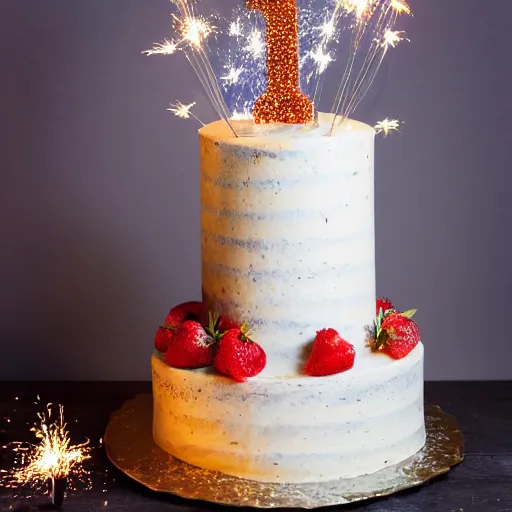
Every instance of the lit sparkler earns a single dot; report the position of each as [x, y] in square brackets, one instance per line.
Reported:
[53, 459]
[344, 41]
[386, 126]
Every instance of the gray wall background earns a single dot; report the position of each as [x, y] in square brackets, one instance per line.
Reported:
[99, 197]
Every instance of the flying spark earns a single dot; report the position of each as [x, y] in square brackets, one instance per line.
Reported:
[400, 7]
[194, 30]
[327, 29]
[358, 7]
[321, 58]
[167, 47]
[392, 38]
[386, 126]
[235, 29]
[232, 77]
[181, 110]
[256, 45]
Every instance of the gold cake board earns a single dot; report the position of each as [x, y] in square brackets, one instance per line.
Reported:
[130, 447]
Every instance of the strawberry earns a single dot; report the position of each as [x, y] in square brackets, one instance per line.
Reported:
[225, 324]
[396, 334]
[190, 346]
[164, 337]
[384, 304]
[331, 354]
[184, 312]
[238, 356]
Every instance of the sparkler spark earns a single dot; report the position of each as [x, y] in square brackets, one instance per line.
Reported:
[392, 38]
[235, 29]
[386, 126]
[327, 28]
[358, 7]
[195, 30]
[256, 44]
[166, 47]
[321, 58]
[233, 76]
[52, 458]
[400, 7]
[181, 110]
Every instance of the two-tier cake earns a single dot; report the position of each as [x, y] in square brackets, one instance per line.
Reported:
[288, 249]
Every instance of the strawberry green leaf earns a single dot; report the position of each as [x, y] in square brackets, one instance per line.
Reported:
[213, 327]
[381, 341]
[380, 317]
[410, 313]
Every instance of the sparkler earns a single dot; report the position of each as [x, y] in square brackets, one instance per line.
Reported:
[249, 51]
[53, 459]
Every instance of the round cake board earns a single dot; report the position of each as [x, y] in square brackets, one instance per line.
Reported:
[130, 447]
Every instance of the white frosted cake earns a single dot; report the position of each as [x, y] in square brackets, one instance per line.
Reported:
[288, 248]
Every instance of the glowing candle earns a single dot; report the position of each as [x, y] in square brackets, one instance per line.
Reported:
[283, 101]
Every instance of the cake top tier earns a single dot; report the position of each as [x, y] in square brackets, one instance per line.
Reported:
[288, 235]
[255, 135]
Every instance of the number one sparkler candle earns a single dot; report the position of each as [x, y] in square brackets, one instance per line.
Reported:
[283, 101]
[254, 80]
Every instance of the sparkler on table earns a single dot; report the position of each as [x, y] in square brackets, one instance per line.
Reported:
[341, 42]
[53, 459]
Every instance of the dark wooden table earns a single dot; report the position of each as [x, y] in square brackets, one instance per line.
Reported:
[482, 483]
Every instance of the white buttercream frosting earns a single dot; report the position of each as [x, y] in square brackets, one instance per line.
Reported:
[288, 247]
[301, 429]
[288, 234]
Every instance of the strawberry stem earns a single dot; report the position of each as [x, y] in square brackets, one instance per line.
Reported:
[213, 327]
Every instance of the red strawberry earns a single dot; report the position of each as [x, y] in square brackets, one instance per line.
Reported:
[239, 357]
[163, 338]
[331, 354]
[384, 304]
[190, 347]
[184, 312]
[397, 335]
[225, 324]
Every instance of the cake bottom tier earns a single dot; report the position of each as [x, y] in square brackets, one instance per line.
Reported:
[301, 429]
